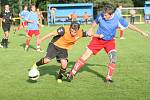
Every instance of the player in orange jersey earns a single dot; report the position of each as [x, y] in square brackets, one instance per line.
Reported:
[64, 38]
[85, 17]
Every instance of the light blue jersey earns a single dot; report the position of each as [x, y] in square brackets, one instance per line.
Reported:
[108, 27]
[24, 14]
[33, 16]
[118, 12]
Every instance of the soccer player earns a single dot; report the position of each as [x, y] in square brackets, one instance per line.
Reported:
[119, 13]
[64, 38]
[7, 18]
[85, 17]
[23, 17]
[74, 17]
[33, 27]
[107, 22]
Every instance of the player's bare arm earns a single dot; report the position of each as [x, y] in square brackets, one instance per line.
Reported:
[134, 28]
[46, 37]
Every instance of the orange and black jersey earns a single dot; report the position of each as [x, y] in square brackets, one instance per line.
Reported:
[64, 39]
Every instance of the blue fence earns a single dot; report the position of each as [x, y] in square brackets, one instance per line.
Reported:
[64, 10]
[147, 10]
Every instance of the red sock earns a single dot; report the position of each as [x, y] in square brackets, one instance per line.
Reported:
[121, 33]
[111, 67]
[20, 27]
[78, 65]
[27, 42]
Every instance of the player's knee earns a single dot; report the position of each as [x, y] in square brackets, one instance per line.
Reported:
[113, 57]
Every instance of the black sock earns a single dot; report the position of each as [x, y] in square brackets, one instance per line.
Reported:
[40, 62]
[61, 71]
[3, 40]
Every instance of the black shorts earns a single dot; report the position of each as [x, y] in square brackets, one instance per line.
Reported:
[54, 51]
[6, 27]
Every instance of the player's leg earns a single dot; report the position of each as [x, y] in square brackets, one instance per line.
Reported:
[122, 34]
[111, 51]
[37, 35]
[62, 70]
[6, 29]
[62, 55]
[81, 62]
[30, 33]
[93, 48]
[51, 53]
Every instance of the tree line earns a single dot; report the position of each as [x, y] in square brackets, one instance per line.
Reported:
[17, 5]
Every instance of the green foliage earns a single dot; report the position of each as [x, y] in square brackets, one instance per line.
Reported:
[42, 4]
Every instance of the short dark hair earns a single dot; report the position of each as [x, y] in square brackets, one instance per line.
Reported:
[25, 5]
[75, 26]
[109, 8]
[119, 4]
[33, 5]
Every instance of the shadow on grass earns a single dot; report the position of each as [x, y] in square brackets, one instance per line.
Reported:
[52, 70]
[88, 69]
[30, 46]
[22, 35]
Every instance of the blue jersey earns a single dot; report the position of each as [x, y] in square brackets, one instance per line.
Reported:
[118, 12]
[108, 27]
[24, 14]
[33, 16]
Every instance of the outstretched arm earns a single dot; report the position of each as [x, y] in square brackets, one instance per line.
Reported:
[46, 37]
[91, 31]
[134, 28]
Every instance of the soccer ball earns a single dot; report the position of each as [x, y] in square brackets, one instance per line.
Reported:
[34, 74]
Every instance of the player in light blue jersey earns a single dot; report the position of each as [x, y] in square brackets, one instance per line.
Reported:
[23, 16]
[118, 11]
[33, 27]
[107, 22]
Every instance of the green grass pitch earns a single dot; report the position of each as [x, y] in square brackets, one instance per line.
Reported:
[131, 77]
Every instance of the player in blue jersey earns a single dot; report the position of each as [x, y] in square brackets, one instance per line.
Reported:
[33, 27]
[119, 13]
[23, 16]
[107, 22]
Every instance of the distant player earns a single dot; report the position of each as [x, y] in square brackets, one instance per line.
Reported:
[64, 38]
[85, 17]
[107, 22]
[33, 27]
[119, 13]
[23, 17]
[7, 18]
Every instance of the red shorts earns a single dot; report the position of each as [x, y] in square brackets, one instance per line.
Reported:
[33, 32]
[97, 44]
[24, 24]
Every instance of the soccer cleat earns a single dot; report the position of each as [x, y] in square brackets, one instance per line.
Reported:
[108, 79]
[122, 38]
[14, 30]
[39, 50]
[1, 46]
[69, 77]
[34, 66]
[5, 45]
[26, 49]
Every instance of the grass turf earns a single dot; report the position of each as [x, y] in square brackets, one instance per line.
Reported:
[131, 77]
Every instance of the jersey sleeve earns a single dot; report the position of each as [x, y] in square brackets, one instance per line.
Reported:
[123, 24]
[97, 20]
[61, 31]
